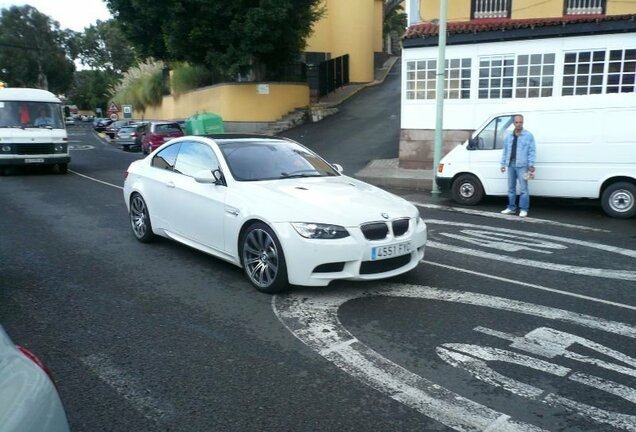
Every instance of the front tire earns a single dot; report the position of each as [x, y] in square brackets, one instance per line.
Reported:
[619, 200]
[140, 219]
[467, 190]
[263, 259]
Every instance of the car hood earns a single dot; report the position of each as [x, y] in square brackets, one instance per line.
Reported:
[338, 200]
[31, 135]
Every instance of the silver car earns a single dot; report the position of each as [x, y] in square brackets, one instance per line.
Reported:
[29, 401]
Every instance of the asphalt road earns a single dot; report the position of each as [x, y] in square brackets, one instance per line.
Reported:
[508, 324]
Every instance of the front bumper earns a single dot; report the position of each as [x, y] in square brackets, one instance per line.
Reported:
[312, 262]
[47, 159]
[444, 183]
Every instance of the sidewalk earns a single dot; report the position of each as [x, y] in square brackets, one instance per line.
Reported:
[384, 173]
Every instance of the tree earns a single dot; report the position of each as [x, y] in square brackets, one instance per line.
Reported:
[227, 36]
[34, 50]
[103, 46]
[91, 89]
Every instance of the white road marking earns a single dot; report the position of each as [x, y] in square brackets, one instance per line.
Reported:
[578, 270]
[505, 217]
[314, 321]
[534, 286]
[128, 387]
[96, 180]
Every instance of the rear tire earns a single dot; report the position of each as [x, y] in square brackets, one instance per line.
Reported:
[619, 200]
[140, 219]
[467, 190]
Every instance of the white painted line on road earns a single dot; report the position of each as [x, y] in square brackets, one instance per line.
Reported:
[572, 269]
[577, 270]
[534, 286]
[314, 321]
[96, 180]
[128, 387]
[505, 217]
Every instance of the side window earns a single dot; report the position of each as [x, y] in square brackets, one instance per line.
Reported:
[194, 157]
[492, 136]
[166, 158]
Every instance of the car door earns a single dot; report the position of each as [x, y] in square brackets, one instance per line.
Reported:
[198, 209]
[485, 155]
[159, 187]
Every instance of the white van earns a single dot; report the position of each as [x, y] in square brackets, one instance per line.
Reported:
[32, 130]
[586, 148]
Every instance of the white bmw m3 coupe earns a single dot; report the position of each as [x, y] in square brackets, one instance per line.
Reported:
[274, 208]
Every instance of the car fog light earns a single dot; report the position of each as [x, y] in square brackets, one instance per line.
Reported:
[320, 231]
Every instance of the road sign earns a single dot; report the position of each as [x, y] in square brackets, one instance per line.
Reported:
[114, 117]
[112, 108]
[127, 111]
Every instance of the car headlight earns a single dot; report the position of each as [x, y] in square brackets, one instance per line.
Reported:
[320, 231]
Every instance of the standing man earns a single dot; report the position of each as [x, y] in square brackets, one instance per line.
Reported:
[519, 153]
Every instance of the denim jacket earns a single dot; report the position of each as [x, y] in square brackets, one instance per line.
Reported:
[526, 150]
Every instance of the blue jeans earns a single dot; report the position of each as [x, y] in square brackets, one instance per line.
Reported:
[518, 174]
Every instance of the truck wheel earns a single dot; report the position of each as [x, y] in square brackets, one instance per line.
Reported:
[467, 190]
[619, 200]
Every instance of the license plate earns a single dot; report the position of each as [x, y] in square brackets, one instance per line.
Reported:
[390, 251]
[34, 160]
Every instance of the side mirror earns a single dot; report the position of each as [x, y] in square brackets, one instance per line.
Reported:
[473, 144]
[205, 176]
[219, 177]
[337, 167]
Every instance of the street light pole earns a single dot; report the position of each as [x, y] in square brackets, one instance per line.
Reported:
[439, 93]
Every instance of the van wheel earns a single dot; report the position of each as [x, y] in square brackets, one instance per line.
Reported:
[467, 190]
[619, 200]
[62, 168]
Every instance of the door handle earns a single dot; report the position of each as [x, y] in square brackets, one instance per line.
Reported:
[170, 184]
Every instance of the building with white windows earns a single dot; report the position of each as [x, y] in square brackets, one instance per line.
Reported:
[495, 62]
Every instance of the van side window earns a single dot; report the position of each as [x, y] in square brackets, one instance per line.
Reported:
[492, 136]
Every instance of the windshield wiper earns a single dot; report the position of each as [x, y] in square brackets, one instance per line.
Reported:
[300, 174]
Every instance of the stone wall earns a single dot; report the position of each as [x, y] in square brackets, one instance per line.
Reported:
[417, 146]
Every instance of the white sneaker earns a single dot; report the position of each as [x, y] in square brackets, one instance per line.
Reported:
[523, 213]
[507, 211]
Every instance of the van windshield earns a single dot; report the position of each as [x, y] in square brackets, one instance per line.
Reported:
[27, 114]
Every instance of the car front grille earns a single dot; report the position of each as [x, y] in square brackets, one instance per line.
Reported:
[375, 230]
[381, 266]
[380, 230]
[400, 226]
[34, 149]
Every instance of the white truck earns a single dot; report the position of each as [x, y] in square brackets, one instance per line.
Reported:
[586, 148]
[32, 129]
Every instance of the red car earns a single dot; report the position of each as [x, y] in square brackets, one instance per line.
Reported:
[157, 133]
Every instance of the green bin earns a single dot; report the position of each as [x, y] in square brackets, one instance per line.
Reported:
[204, 124]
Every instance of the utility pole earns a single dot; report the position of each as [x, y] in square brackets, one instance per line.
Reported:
[439, 93]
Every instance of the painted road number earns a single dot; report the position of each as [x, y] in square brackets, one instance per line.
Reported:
[389, 251]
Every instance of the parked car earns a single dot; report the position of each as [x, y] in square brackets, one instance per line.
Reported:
[101, 124]
[129, 137]
[273, 207]
[28, 395]
[159, 132]
[69, 121]
[111, 129]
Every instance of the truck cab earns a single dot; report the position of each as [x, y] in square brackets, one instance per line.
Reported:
[32, 129]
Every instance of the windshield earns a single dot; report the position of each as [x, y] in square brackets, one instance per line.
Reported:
[270, 160]
[22, 114]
